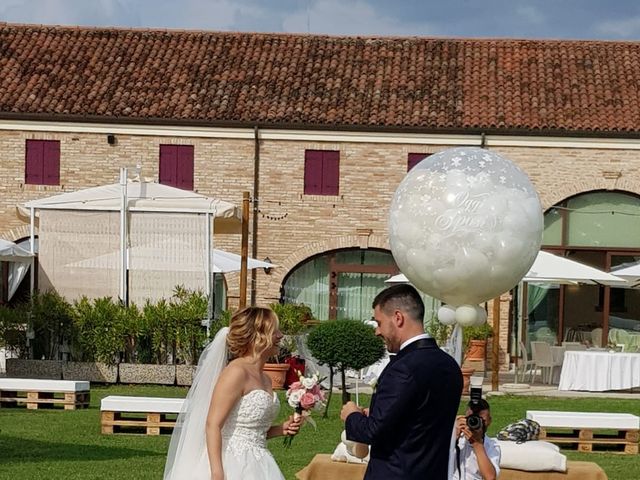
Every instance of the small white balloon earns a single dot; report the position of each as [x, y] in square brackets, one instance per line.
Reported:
[447, 315]
[466, 315]
[482, 316]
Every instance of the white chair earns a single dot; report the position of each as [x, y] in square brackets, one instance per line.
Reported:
[572, 346]
[543, 358]
[525, 363]
[620, 338]
[596, 337]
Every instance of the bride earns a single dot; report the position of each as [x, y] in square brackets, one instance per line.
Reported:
[226, 418]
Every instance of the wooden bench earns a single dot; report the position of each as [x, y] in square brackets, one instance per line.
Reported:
[590, 431]
[152, 415]
[36, 393]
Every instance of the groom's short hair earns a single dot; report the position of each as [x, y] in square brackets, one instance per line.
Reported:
[401, 297]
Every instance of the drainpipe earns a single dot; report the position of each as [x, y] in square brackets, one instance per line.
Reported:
[483, 140]
[256, 196]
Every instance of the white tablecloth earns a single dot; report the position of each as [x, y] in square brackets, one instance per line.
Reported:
[599, 371]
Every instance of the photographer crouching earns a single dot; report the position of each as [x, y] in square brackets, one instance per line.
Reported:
[477, 456]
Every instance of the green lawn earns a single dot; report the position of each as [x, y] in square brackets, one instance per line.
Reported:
[68, 445]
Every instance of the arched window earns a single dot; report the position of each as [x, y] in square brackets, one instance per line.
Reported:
[601, 229]
[342, 284]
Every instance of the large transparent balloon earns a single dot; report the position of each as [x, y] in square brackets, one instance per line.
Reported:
[465, 225]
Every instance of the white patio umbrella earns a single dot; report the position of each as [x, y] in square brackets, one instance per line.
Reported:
[22, 260]
[154, 257]
[550, 268]
[11, 252]
[631, 273]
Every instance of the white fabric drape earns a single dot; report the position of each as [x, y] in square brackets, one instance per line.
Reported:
[66, 237]
[165, 250]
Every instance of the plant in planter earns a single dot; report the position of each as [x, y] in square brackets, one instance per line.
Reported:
[343, 345]
[474, 341]
[293, 319]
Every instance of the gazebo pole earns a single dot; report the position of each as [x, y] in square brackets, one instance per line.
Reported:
[495, 357]
[207, 282]
[123, 237]
[244, 250]
[32, 249]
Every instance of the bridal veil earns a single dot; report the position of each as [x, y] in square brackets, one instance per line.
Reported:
[187, 457]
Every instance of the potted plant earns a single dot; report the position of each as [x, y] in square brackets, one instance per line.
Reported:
[277, 367]
[475, 341]
[283, 368]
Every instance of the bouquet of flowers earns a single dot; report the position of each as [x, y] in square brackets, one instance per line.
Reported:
[304, 395]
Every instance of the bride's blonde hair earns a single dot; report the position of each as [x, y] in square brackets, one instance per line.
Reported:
[251, 331]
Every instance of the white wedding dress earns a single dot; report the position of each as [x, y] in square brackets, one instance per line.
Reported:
[244, 435]
[244, 438]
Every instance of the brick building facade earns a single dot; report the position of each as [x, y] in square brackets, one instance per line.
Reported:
[239, 127]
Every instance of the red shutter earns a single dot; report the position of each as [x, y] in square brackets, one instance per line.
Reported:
[330, 173]
[313, 172]
[184, 168]
[51, 162]
[415, 158]
[168, 165]
[33, 162]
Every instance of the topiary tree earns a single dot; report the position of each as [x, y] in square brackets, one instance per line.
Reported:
[342, 345]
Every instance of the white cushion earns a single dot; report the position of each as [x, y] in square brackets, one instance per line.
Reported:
[121, 403]
[36, 385]
[340, 454]
[621, 421]
[533, 456]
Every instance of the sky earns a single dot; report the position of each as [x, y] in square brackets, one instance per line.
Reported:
[555, 19]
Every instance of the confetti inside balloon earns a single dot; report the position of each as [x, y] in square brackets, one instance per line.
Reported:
[465, 225]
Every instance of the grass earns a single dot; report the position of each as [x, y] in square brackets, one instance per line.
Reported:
[68, 445]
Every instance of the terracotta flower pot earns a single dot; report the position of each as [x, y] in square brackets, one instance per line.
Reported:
[466, 378]
[477, 350]
[277, 372]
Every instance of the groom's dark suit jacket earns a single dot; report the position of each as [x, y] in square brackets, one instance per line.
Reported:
[411, 416]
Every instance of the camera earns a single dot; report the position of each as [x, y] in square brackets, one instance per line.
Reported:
[474, 420]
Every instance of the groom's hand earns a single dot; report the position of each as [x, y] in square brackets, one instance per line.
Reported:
[349, 408]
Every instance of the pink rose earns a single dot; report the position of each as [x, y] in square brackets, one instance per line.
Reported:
[307, 401]
[316, 390]
[295, 386]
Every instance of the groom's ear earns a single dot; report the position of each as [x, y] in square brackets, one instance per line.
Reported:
[399, 318]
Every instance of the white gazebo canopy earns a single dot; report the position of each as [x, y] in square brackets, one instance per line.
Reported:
[113, 223]
[144, 197]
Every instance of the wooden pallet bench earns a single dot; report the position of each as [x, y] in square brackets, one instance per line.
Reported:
[37, 394]
[589, 431]
[150, 415]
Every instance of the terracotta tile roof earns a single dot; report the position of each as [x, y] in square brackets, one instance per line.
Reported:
[419, 84]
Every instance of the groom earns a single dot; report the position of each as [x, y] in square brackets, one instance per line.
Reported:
[410, 421]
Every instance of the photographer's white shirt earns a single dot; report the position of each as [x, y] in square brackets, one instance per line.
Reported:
[468, 462]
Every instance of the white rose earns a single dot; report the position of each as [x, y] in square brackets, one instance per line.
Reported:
[308, 383]
[294, 398]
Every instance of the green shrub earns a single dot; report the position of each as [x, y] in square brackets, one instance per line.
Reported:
[52, 324]
[293, 317]
[189, 309]
[159, 335]
[343, 345]
[100, 331]
[13, 329]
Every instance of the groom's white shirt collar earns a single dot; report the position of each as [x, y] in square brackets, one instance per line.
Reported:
[414, 339]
